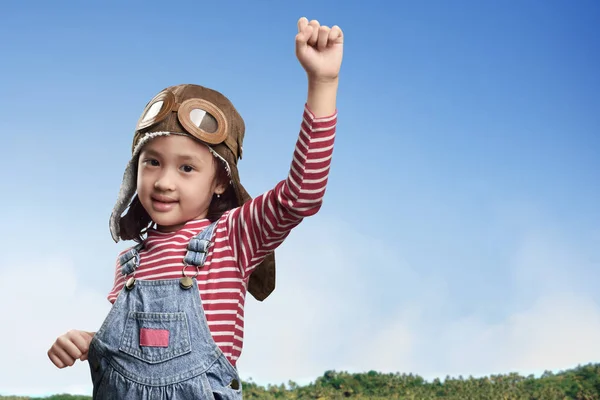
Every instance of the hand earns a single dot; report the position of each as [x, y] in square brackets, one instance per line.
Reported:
[69, 347]
[319, 50]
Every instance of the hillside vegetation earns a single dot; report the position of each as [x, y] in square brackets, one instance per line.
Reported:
[581, 383]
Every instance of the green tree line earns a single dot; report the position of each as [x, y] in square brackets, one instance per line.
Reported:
[581, 383]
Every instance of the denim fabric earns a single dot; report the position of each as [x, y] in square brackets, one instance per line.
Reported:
[198, 247]
[183, 362]
[130, 260]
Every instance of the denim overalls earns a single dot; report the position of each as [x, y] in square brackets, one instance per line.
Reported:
[155, 342]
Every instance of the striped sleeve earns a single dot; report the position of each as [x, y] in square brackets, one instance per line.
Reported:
[260, 225]
[119, 280]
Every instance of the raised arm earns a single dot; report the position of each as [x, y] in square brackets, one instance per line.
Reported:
[260, 225]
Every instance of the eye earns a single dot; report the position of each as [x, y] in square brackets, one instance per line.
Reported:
[187, 168]
[152, 162]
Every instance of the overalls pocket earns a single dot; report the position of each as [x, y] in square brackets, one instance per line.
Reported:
[156, 337]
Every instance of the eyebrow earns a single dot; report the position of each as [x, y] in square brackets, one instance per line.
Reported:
[181, 157]
[149, 152]
[189, 157]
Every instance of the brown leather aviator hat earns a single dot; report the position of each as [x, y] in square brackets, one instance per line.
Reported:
[209, 117]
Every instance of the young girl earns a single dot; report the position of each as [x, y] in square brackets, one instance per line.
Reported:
[175, 329]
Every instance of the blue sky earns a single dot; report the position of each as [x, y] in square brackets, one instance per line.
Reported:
[461, 228]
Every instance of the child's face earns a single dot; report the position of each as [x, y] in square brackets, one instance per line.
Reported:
[176, 180]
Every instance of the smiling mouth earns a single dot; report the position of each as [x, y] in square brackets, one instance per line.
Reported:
[160, 203]
[163, 199]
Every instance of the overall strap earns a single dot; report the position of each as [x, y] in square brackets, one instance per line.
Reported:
[130, 260]
[197, 248]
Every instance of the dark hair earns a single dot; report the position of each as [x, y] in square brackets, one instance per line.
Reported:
[136, 221]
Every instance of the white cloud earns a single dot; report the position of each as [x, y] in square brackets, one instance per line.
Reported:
[553, 325]
[320, 315]
[41, 302]
[556, 332]
[310, 326]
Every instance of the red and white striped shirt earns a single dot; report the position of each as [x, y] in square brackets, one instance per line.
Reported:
[243, 236]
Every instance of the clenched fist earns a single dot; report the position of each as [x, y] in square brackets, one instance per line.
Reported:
[319, 49]
[69, 347]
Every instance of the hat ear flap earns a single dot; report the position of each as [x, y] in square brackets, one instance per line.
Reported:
[262, 280]
[126, 193]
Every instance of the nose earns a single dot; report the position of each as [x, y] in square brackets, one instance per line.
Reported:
[165, 182]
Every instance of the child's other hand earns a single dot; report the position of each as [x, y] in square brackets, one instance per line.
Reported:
[69, 347]
[319, 50]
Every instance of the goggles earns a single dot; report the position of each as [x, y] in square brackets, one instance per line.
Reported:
[200, 118]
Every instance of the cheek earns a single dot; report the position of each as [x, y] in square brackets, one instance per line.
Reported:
[143, 180]
[196, 191]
